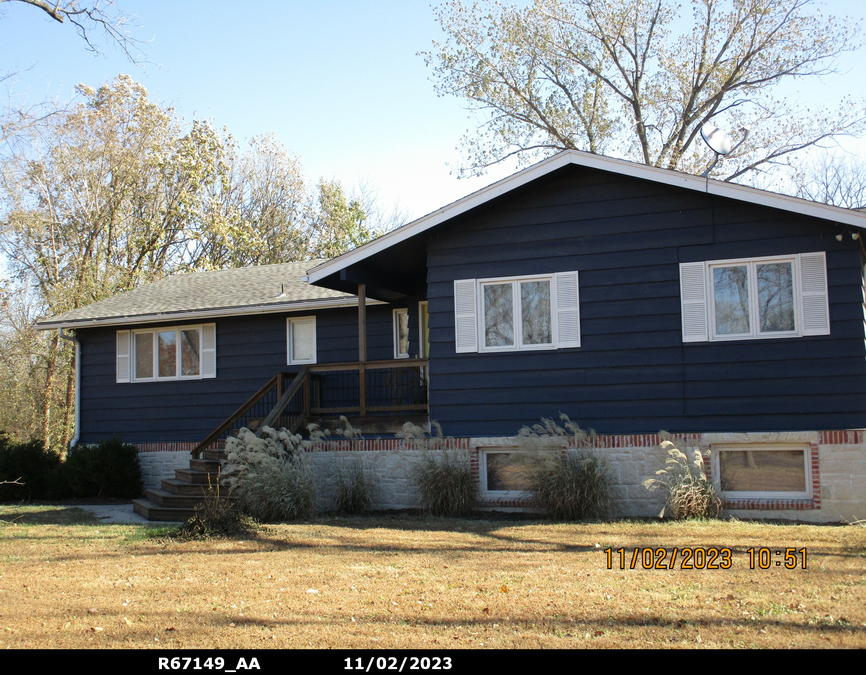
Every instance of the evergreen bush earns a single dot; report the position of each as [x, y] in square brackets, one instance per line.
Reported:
[109, 469]
[36, 470]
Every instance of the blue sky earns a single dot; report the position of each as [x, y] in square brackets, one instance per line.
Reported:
[339, 83]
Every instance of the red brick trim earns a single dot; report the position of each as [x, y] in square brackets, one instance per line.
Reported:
[166, 447]
[849, 437]
[389, 444]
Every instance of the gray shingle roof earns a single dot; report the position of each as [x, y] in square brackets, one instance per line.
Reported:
[221, 292]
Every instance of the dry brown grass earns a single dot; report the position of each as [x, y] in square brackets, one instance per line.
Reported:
[404, 582]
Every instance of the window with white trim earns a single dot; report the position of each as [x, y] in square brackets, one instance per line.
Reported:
[301, 340]
[401, 333]
[517, 313]
[505, 473]
[166, 353]
[755, 298]
[763, 471]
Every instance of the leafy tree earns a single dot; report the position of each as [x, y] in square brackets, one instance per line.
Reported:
[256, 216]
[630, 78]
[337, 223]
[100, 199]
[115, 192]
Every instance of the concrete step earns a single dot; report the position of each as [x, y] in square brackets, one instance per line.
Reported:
[147, 509]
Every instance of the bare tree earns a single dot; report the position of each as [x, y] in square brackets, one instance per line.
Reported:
[838, 180]
[631, 78]
[89, 18]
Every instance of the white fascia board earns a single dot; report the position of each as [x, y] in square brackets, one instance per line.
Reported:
[623, 167]
[804, 207]
[463, 205]
[171, 317]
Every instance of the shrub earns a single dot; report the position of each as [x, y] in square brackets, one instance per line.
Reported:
[354, 486]
[216, 517]
[354, 489]
[569, 480]
[688, 492]
[443, 476]
[573, 486]
[270, 476]
[109, 469]
[37, 468]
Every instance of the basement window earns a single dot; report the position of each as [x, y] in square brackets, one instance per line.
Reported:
[505, 473]
[763, 471]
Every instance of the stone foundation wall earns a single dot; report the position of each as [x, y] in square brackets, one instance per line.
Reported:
[838, 466]
[159, 460]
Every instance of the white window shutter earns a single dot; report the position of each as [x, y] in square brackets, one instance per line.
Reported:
[123, 360]
[465, 316]
[693, 301]
[813, 285]
[208, 350]
[302, 340]
[567, 310]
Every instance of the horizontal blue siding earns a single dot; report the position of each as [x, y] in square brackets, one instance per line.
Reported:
[633, 374]
[250, 350]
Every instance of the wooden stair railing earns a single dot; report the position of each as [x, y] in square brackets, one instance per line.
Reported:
[276, 382]
[300, 387]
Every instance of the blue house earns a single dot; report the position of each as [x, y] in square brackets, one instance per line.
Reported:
[630, 298]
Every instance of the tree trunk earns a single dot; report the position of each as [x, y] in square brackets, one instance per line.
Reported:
[68, 420]
[49, 390]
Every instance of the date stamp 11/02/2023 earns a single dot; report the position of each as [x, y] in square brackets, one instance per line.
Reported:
[689, 558]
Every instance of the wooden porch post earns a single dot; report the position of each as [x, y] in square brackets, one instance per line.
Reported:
[362, 349]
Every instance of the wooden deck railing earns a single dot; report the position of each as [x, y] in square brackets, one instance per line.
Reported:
[370, 387]
[329, 390]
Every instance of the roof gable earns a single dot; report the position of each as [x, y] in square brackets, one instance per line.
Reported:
[610, 164]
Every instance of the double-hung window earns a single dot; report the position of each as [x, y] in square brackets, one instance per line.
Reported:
[754, 298]
[517, 313]
[301, 340]
[167, 353]
[401, 333]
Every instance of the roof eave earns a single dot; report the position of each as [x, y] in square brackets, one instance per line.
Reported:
[163, 317]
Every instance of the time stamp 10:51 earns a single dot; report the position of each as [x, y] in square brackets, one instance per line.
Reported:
[688, 558]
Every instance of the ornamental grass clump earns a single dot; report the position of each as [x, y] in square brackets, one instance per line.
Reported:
[688, 491]
[270, 476]
[570, 481]
[443, 475]
[354, 489]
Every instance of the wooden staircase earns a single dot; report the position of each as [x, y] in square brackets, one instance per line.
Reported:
[389, 393]
[176, 500]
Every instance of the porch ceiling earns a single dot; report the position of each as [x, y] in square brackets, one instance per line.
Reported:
[390, 275]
